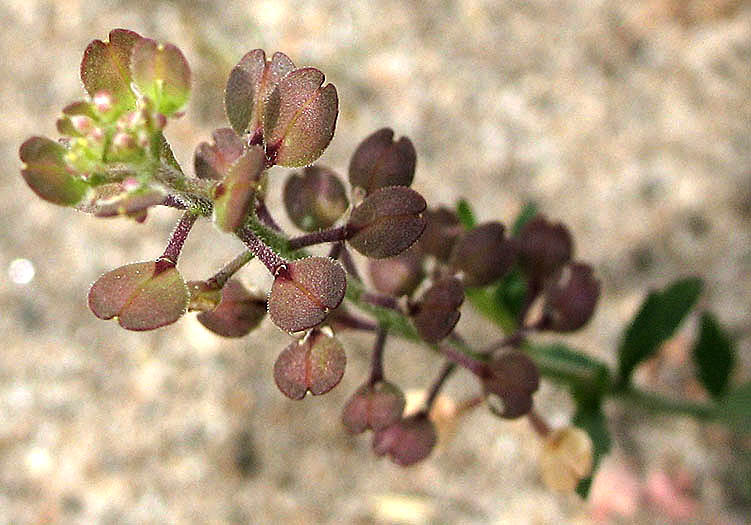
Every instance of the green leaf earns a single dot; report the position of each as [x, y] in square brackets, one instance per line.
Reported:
[465, 213]
[525, 215]
[592, 420]
[511, 293]
[484, 300]
[714, 356]
[735, 409]
[587, 376]
[658, 318]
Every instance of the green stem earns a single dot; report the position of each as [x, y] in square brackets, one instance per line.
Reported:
[657, 403]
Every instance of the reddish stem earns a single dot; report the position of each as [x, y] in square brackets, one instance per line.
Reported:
[273, 262]
[319, 237]
[446, 371]
[176, 242]
[376, 367]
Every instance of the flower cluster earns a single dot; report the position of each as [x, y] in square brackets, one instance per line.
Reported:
[114, 160]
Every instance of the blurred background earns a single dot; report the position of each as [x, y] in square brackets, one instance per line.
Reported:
[628, 121]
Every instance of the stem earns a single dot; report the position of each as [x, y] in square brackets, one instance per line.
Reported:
[222, 276]
[345, 319]
[265, 254]
[264, 215]
[658, 403]
[376, 367]
[384, 301]
[319, 237]
[177, 238]
[563, 370]
[446, 371]
[514, 340]
[538, 423]
[336, 250]
[349, 263]
[475, 366]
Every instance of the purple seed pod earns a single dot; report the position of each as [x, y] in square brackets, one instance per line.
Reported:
[387, 222]
[571, 298]
[513, 378]
[399, 275]
[437, 312]
[237, 313]
[544, 247]
[379, 162]
[213, 161]
[408, 441]
[373, 407]
[483, 254]
[441, 232]
[315, 364]
[305, 291]
[315, 199]
[143, 295]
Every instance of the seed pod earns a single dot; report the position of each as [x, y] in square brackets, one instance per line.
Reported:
[408, 441]
[513, 377]
[387, 222]
[379, 162]
[48, 175]
[399, 275]
[143, 296]
[543, 247]
[373, 407]
[437, 312]
[315, 199]
[305, 291]
[299, 118]
[161, 73]
[250, 83]
[315, 364]
[483, 254]
[237, 313]
[566, 458]
[133, 204]
[571, 299]
[213, 161]
[441, 232]
[233, 197]
[106, 67]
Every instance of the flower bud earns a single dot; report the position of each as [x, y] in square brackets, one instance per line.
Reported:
[48, 175]
[237, 314]
[483, 254]
[315, 199]
[305, 291]
[387, 222]
[571, 299]
[513, 378]
[437, 312]
[441, 232]
[373, 407]
[407, 441]
[399, 275]
[299, 118]
[379, 162]
[543, 247]
[566, 458]
[143, 296]
[315, 364]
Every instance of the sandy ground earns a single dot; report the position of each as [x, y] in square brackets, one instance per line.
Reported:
[629, 121]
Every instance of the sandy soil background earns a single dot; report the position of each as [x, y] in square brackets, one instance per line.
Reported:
[629, 121]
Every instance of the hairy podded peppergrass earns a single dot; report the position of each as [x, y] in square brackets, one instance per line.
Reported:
[113, 160]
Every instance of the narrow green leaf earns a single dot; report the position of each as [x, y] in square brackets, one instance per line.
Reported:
[592, 420]
[714, 356]
[735, 408]
[525, 215]
[465, 213]
[658, 318]
[587, 376]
